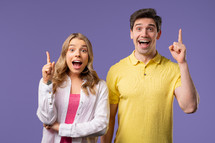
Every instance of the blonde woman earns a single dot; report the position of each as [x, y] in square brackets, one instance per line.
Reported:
[73, 101]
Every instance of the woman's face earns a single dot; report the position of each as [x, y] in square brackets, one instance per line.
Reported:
[77, 56]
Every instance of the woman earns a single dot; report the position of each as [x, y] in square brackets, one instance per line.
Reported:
[73, 101]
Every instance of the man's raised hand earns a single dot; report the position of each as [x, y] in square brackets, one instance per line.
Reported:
[178, 49]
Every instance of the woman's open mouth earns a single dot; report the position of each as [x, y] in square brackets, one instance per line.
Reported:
[76, 64]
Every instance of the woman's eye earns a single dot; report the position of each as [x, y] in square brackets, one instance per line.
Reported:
[72, 50]
[83, 50]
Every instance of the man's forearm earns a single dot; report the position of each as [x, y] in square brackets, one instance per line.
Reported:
[187, 96]
[107, 138]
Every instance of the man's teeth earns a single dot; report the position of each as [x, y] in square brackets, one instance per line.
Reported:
[143, 41]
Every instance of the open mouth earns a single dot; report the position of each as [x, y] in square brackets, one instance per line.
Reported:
[143, 42]
[77, 64]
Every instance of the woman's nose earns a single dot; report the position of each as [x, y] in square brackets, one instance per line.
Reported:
[77, 54]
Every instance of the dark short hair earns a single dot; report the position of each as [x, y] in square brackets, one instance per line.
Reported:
[146, 13]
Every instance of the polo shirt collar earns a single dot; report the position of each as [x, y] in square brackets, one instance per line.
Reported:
[134, 61]
[157, 58]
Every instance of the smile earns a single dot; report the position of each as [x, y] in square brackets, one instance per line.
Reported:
[143, 42]
[77, 64]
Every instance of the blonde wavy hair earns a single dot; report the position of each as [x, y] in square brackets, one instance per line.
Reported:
[62, 70]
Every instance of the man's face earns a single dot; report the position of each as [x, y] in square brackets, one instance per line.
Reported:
[144, 35]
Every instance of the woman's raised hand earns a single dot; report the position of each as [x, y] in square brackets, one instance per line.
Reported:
[48, 70]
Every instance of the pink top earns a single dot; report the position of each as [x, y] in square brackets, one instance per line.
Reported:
[71, 112]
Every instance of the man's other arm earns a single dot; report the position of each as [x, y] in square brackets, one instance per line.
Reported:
[107, 138]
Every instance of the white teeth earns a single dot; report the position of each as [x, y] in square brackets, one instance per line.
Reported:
[77, 61]
[143, 41]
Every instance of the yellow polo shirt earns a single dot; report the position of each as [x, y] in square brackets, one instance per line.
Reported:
[144, 94]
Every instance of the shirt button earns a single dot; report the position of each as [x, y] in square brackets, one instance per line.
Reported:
[50, 103]
[50, 92]
[144, 74]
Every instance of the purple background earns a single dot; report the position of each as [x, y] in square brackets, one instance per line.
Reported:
[29, 28]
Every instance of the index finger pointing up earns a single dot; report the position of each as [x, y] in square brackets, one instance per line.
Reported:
[179, 36]
[48, 57]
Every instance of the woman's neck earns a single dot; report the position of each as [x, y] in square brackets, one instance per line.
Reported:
[76, 83]
[74, 76]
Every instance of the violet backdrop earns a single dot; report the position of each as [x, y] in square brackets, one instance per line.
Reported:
[29, 28]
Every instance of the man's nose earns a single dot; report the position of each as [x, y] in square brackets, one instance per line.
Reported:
[144, 32]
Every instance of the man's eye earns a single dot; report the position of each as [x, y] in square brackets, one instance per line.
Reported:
[138, 29]
[150, 29]
[71, 50]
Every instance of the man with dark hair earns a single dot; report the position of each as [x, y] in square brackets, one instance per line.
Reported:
[147, 13]
[142, 86]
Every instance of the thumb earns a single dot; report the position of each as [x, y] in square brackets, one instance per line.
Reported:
[53, 67]
[171, 48]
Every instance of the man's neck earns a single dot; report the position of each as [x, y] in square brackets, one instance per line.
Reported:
[145, 58]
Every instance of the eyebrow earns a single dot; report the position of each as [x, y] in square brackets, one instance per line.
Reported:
[139, 24]
[81, 45]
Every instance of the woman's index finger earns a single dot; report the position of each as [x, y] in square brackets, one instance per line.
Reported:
[48, 57]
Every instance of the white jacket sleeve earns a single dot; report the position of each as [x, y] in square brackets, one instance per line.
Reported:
[95, 127]
[46, 111]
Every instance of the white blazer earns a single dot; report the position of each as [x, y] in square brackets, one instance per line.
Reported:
[91, 119]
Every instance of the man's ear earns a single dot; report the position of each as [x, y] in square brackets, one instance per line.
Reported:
[159, 35]
[131, 34]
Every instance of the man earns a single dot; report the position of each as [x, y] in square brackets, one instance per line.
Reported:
[142, 86]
